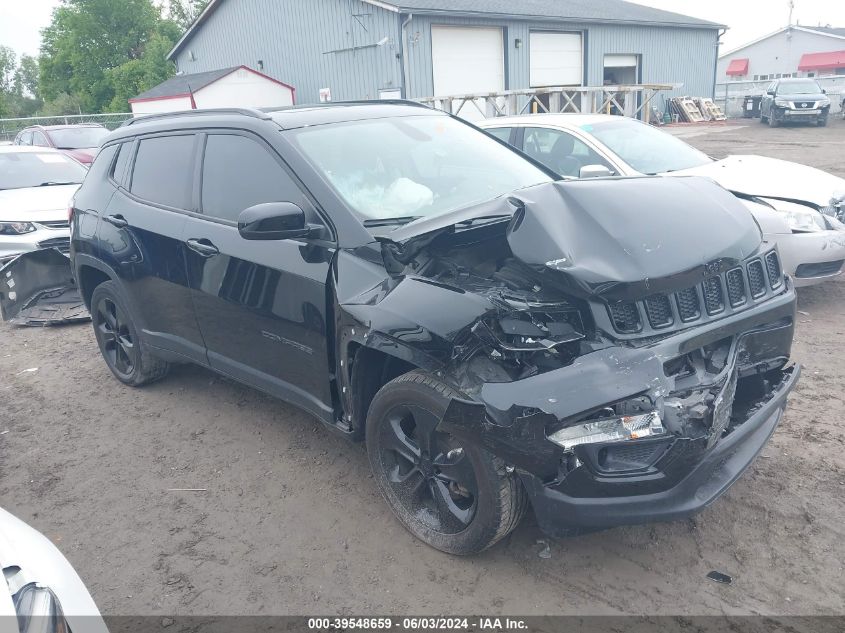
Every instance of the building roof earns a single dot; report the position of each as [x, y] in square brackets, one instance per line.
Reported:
[838, 33]
[822, 61]
[187, 85]
[183, 85]
[604, 11]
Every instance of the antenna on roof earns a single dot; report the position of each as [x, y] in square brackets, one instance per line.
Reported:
[791, 4]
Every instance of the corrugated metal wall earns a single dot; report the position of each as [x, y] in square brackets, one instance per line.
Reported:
[306, 44]
[309, 44]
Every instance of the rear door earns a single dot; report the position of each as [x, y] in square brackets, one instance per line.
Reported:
[261, 305]
[140, 237]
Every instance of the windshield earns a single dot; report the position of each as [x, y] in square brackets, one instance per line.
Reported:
[412, 167]
[799, 87]
[646, 149]
[78, 137]
[34, 169]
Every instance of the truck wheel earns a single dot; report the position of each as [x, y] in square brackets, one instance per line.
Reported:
[773, 122]
[822, 121]
[118, 339]
[452, 495]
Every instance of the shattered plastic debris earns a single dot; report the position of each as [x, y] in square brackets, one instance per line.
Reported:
[719, 577]
[31, 370]
[546, 552]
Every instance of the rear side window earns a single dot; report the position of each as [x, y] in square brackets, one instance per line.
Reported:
[164, 168]
[118, 173]
[238, 173]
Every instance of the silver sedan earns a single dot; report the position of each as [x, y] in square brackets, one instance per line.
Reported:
[798, 207]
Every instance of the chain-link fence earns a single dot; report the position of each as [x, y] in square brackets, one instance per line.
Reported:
[731, 95]
[9, 128]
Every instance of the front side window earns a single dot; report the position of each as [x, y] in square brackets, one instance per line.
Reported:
[78, 137]
[238, 172]
[19, 170]
[164, 169]
[414, 166]
[560, 151]
[646, 149]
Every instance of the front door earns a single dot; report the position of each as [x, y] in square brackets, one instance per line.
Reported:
[260, 305]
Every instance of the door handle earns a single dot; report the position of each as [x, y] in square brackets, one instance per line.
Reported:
[203, 247]
[117, 220]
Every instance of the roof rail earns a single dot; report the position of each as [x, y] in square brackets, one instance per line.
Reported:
[329, 104]
[250, 112]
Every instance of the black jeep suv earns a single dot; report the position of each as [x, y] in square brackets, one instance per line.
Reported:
[606, 351]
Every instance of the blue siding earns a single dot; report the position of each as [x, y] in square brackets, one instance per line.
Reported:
[310, 44]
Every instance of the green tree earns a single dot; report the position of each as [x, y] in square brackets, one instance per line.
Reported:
[7, 69]
[88, 38]
[185, 12]
[138, 75]
[26, 77]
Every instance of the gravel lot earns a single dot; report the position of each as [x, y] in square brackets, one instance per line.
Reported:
[291, 522]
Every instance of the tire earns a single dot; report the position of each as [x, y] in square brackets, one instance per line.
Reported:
[773, 122]
[117, 336]
[822, 122]
[763, 119]
[456, 497]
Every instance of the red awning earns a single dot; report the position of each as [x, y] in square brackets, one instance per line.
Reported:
[822, 61]
[737, 67]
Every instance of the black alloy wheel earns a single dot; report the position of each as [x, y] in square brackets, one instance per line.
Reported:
[118, 339]
[429, 471]
[450, 493]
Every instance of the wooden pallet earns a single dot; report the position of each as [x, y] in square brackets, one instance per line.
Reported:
[687, 110]
[710, 110]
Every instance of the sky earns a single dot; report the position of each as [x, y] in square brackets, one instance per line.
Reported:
[21, 20]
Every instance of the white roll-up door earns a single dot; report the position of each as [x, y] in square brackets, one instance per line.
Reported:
[467, 60]
[556, 59]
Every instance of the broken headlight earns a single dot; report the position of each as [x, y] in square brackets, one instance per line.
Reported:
[16, 228]
[627, 427]
[800, 218]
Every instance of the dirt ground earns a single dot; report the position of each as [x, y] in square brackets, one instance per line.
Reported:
[290, 522]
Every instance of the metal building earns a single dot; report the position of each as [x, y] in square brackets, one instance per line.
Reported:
[370, 49]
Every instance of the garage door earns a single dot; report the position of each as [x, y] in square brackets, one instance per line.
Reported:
[467, 60]
[556, 59]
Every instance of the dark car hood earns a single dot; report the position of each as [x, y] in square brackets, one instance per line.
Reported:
[621, 237]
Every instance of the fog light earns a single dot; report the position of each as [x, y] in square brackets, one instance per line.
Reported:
[628, 427]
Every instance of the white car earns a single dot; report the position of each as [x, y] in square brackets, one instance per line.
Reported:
[43, 590]
[36, 187]
[796, 206]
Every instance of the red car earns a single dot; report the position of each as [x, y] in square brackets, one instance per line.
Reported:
[80, 142]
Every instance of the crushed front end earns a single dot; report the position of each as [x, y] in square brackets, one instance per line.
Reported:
[623, 346]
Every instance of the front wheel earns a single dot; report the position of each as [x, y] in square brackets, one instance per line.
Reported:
[451, 494]
[118, 339]
[822, 122]
[773, 122]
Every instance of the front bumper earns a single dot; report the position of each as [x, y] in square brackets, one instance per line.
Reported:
[13, 245]
[791, 115]
[560, 514]
[810, 258]
[603, 485]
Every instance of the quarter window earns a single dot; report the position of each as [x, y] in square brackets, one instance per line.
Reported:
[238, 173]
[119, 171]
[501, 133]
[164, 170]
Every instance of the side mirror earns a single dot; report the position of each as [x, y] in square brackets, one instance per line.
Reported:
[824, 92]
[594, 171]
[273, 221]
[770, 92]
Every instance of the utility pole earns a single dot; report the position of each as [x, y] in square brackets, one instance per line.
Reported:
[791, 4]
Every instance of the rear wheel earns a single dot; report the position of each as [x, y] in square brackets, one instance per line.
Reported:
[118, 339]
[452, 495]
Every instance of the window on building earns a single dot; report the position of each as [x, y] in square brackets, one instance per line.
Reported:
[811, 74]
[256, 177]
[164, 170]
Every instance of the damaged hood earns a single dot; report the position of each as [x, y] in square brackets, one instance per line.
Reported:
[34, 204]
[633, 231]
[771, 178]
